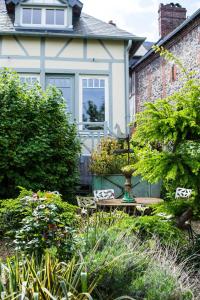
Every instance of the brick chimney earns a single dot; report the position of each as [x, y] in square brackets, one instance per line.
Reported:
[112, 23]
[170, 16]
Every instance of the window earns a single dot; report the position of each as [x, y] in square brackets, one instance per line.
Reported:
[29, 79]
[94, 101]
[65, 85]
[55, 16]
[48, 17]
[32, 16]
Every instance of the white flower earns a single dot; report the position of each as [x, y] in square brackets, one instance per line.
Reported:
[41, 206]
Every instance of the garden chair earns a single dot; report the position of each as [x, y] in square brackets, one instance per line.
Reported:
[86, 204]
[183, 193]
[104, 194]
[184, 222]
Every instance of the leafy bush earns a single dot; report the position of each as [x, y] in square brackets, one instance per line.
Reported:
[142, 270]
[161, 282]
[38, 144]
[44, 230]
[12, 211]
[168, 146]
[175, 207]
[115, 263]
[104, 161]
[149, 227]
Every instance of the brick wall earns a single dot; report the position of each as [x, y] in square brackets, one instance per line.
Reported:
[155, 78]
[170, 17]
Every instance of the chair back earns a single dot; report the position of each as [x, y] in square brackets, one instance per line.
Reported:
[86, 202]
[104, 194]
[183, 193]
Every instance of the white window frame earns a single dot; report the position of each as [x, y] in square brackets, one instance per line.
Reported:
[31, 24]
[29, 75]
[105, 78]
[54, 9]
[43, 17]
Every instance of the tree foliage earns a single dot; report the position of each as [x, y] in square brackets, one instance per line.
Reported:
[168, 138]
[38, 145]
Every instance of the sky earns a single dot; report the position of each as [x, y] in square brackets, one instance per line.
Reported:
[139, 17]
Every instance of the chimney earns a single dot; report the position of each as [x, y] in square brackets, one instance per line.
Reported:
[170, 16]
[112, 23]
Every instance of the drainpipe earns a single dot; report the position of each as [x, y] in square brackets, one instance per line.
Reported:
[127, 106]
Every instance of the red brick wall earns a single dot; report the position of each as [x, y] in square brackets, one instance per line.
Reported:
[170, 17]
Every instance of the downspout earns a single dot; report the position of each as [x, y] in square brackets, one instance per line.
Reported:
[127, 106]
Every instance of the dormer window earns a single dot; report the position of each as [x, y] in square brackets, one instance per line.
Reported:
[45, 14]
[32, 16]
[55, 17]
[44, 17]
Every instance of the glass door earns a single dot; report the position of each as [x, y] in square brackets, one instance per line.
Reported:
[65, 84]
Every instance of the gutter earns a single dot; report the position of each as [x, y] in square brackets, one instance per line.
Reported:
[127, 108]
[70, 34]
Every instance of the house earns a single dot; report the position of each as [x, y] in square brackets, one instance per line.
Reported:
[151, 76]
[54, 42]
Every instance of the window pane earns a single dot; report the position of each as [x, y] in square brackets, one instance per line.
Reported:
[84, 83]
[65, 86]
[29, 79]
[96, 83]
[93, 104]
[22, 79]
[50, 16]
[102, 83]
[26, 19]
[34, 80]
[90, 83]
[37, 16]
[59, 17]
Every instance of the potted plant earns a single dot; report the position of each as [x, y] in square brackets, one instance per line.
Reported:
[108, 170]
[128, 171]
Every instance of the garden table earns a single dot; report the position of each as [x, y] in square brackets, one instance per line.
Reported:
[128, 207]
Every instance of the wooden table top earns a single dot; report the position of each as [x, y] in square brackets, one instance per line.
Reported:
[118, 202]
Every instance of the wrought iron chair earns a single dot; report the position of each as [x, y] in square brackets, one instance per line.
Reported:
[104, 194]
[183, 193]
[185, 220]
[86, 204]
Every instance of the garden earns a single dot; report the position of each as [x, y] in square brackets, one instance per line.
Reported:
[49, 249]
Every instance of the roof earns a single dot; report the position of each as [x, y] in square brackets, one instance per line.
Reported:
[84, 27]
[169, 37]
[144, 48]
[71, 2]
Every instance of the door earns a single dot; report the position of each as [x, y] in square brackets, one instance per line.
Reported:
[65, 84]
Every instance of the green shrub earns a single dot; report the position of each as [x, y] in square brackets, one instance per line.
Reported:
[104, 161]
[42, 230]
[149, 227]
[145, 227]
[12, 211]
[160, 283]
[168, 135]
[175, 207]
[130, 266]
[39, 145]
[117, 255]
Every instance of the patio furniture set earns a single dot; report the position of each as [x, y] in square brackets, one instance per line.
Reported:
[105, 200]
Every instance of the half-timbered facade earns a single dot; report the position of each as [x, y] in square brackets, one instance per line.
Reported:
[54, 42]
